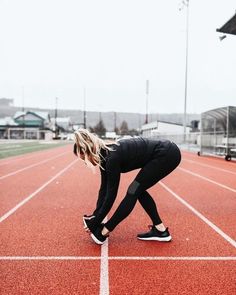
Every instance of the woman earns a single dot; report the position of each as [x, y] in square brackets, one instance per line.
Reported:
[156, 158]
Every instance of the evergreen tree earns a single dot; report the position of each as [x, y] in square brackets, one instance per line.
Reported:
[124, 130]
[100, 129]
[133, 132]
[91, 129]
[117, 130]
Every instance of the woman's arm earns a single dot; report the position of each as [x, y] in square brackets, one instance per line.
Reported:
[112, 180]
[102, 192]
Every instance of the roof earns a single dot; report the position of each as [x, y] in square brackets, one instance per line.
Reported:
[229, 27]
[154, 124]
[43, 115]
[219, 111]
[7, 121]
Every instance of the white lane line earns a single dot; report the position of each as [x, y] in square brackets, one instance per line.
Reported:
[209, 166]
[24, 156]
[14, 159]
[5, 216]
[208, 179]
[148, 258]
[202, 217]
[50, 258]
[104, 272]
[173, 258]
[31, 166]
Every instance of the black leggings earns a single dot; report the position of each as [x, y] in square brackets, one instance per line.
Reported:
[150, 174]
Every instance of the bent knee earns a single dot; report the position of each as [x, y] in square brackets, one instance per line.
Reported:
[133, 188]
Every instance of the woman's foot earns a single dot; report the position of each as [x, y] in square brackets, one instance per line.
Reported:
[155, 235]
[97, 235]
[87, 220]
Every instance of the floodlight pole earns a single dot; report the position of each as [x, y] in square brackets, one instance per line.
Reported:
[56, 118]
[85, 114]
[23, 110]
[115, 121]
[186, 71]
[23, 99]
[147, 93]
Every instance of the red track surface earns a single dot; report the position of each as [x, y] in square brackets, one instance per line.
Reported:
[44, 249]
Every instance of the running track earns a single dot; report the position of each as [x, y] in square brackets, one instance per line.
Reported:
[44, 249]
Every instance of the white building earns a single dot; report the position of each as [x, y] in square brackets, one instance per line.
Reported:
[163, 128]
[168, 130]
[64, 123]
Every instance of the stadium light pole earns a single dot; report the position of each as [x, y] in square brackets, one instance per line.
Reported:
[114, 121]
[56, 100]
[23, 98]
[147, 93]
[186, 3]
[85, 114]
[23, 110]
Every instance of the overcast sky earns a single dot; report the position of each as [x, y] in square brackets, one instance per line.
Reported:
[58, 48]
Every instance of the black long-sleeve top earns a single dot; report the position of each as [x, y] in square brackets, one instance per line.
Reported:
[127, 155]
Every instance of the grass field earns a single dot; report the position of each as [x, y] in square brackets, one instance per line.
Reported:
[10, 148]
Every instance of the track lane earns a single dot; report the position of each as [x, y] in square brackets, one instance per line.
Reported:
[53, 158]
[211, 160]
[14, 165]
[51, 223]
[221, 177]
[50, 277]
[215, 203]
[172, 277]
[231, 171]
[59, 234]
[191, 236]
[15, 189]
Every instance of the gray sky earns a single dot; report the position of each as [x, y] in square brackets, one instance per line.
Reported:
[56, 48]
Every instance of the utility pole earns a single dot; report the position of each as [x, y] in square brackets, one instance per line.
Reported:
[23, 99]
[85, 114]
[147, 93]
[186, 4]
[56, 129]
[23, 110]
[115, 121]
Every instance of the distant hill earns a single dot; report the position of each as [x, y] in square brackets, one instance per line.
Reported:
[134, 120]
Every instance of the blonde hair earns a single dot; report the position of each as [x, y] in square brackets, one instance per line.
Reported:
[89, 145]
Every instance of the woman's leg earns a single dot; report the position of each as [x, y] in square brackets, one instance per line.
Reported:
[150, 174]
[150, 207]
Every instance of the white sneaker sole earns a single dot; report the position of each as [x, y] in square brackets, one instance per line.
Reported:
[166, 239]
[96, 240]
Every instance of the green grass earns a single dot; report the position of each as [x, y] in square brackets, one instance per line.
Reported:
[14, 148]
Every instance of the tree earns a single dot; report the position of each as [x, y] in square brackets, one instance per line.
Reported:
[117, 130]
[124, 130]
[100, 129]
[91, 129]
[133, 132]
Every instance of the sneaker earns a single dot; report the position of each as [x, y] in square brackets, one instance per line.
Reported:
[155, 235]
[97, 235]
[87, 220]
